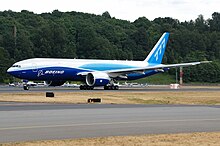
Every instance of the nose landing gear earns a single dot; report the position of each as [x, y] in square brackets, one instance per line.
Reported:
[26, 87]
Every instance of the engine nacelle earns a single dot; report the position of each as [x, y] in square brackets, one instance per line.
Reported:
[97, 79]
[55, 83]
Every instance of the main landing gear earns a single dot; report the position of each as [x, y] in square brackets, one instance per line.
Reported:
[107, 87]
[86, 87]
[111, 87]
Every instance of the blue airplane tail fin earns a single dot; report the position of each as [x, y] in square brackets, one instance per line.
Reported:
[156, 54]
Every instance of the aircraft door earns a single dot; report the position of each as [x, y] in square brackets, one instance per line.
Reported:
[34, 69]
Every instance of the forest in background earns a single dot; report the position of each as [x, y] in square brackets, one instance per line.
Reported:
[81, 35]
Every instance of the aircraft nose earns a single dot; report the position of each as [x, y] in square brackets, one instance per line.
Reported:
[9, 70]
[14, 72]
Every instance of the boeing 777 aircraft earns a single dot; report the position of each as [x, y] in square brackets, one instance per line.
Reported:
[93, 72]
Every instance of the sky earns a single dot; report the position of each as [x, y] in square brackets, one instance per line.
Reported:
[183, 10]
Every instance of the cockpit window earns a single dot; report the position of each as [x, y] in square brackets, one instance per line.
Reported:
[15, 65]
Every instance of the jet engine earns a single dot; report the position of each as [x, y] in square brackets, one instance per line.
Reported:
[55, 83]
[97, 79]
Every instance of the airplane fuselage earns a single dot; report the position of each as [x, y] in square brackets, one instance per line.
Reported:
[47, 69]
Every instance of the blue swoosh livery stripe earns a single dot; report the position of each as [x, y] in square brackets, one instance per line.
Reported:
[104, 66]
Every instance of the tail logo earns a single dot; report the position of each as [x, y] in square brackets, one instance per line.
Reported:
[159, 50]
[156, 54]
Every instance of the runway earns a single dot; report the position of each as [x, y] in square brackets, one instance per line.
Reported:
[31, 121]
[163, 88]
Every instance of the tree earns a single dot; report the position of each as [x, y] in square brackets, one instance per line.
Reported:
[106, 14]
[142, 22]
[24, 47]
[5, 62]
[215, 22]
[86, 43]
[201, 24]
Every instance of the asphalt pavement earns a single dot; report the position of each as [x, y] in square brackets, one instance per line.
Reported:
[160, 88]
[36, 121]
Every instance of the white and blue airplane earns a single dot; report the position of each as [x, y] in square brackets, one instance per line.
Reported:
[93, 73]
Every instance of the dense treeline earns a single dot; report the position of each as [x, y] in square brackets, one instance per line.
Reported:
[79, 35]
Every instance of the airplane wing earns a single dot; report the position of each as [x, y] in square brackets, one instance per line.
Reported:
[141, 70]
[115, 73]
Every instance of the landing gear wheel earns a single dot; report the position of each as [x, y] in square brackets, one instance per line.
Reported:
[85, 87]
[90, 87]
[111, 87]
[116, 87]
[81, 87]
[105, 87]
[26, 87]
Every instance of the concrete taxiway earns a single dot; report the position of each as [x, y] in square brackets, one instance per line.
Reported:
[35, 121]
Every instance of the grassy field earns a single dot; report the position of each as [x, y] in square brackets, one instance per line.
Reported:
[210, 98]
[186, 139]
